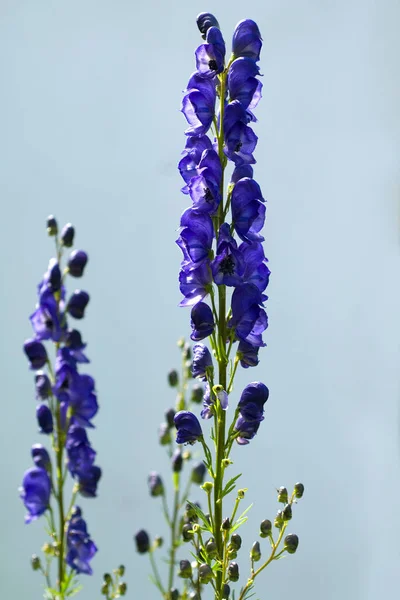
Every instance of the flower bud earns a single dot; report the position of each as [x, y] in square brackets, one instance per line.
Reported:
[211, 548]
[35, 562]
[77, 263]
[121, 570]
[255, 552]
[204, 21]
[187, 532]
[77, 304]
[226, 524]
[278, 522]
[104, 589]
[198, 473]
[191, 512]
[40, 456]
[205, 573]
[173, 378]
[142, 542]
[173, 594]
[156, 486]
[241, 493]
[158, 541]
[282, 495]
[169, 417]
[207, 487]
[233, 571]
[197, 393]
[290, 543]
[51, 225]
[265, 528]
[185, 569]
[44, 418]
[226, 590]
[42, 385]
[299, 490]
[54, 275]
[287, 513]
[164, 434]
[122, 588]
[67, 235]
[177, 461]
[107, 578]
[36, 353]
[236, 541]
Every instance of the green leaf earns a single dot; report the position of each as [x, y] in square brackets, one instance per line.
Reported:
[242, 519]
[200, 515]
[230, 485]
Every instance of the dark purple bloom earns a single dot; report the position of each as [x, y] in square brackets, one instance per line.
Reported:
[67, 235]
[44, 418]
[88, 481]
[241, 171]
[256, 271]
[248, 210]
[52, 279]
[77, 262]
[240, 139]
[198, 473]
[188, 427]
[43, 386]
[204, 21]
[36, 353]
[156, 486]
[209, 60]
[242, 82]
[228, 266]
[205, 194]
[195, 240]
[248, 354]
[169, 417]
[251, 406]
[80, 548]
[77, 304]
[247, 40]
[142, 541]
[73, 341]
[35, 492]
[177, 461]
[40, 456]
[46, 320]
[79, 451]
[195, 285]
[202, 361]
[208, 401]
[192, 154]
[198, 105]
[248, 319]
[51, 225]
[214, 37]
[202, 321]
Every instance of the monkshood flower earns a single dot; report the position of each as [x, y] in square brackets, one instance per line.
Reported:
[248, 354]
[43, 385]
[247, 40]
[188, 427]
[210, 56]
[255, 271]
[198, 104]
[189, 163]
[208, 401]
[248, 210]
[195, 239]
[195, 284]
[80, 548]
[88, 481]
[67, 235]
[35, 492]
[142, 541]
[156, 486]
[240, 139]
[36, 353]
[77, 262]
[46, 320]
[242, 83]
[205, 21]
[229, 265]
[80, 454]
[77, 304]
[45, 418]
[202, 362]
[251, 407]
[204, 188]
[248, 320]
[40, 456]
[73, 341]
[202, 321]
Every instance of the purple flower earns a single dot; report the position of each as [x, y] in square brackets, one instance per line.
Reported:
[73, 341]
[202, 321]
[156, 486]
[210, 56]
[177, 461]
[43, 386]
[88, 481]
[228, 266]
[40, 456]
[142, 541]
[77, 304]
[204, 21]
[195, 240]
[204, 188]
[248, 354]
[195, 284]
[241, 171]
[256, 271]
[242, 83]
[46, 320]
[198, 105]
[248, 210]
[79, 451]
[248, 319]
[77, 262]
[44, 418]
[251, 407]
[80, 548]
[35, 492]
[188, 427]
[67, 235]
[192, 154]
[52, 278]
[202, 361]
[208, 401]
[36, 353]
[247, 40]
[240, 139]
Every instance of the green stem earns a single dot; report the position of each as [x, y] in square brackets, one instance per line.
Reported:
[60, 500]
[156, 573]
[232, 377]
[173, 531]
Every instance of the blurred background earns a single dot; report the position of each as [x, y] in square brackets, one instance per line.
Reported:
[91, 132]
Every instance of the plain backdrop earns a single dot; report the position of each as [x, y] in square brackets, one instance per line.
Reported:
[90, 130]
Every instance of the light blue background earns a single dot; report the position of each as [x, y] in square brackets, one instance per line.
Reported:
[91, 131]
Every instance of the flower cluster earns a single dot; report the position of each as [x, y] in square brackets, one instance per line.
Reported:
[67, 403]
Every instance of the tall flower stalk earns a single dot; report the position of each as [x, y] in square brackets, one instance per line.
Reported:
[223, 279]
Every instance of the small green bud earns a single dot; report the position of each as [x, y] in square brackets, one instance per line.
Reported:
[241, 493]
[287, 513]
[52, 228]
[282, 495]
[185, 569]
[191, 512]
[205, 573]
[35, 562]
[299, 490]
[291, 542]
[255, 552]
[207, 486]
[196, 527]
[107, 578]
[104, 589]
[173, 594]
[121, 570]
[279, 520]
[211, 548]
[122, 588]
[197, 393]
[236, 542]
[265, 528]
[173, 378]
[158, 542]
[187, 532]
[226, 524]
[226, 462]
[226, 590]
[48, 549]
[233, 571]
